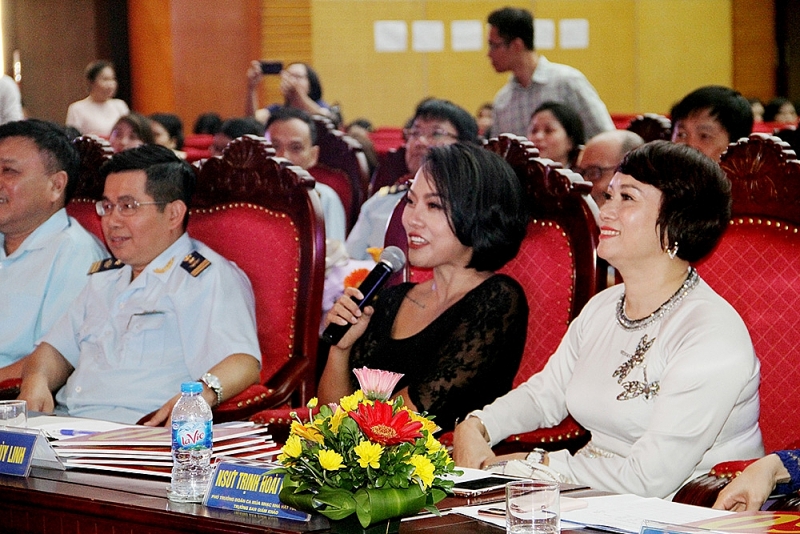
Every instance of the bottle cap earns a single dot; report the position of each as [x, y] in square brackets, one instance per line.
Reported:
[191, 387]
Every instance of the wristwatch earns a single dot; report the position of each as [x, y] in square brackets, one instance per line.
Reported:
[214, 384]
[536, 456]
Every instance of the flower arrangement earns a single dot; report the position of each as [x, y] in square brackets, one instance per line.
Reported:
[367, 456]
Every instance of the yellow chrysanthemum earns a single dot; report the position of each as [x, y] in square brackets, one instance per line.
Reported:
[336, 419]
[330, 460]
[293, 447]
[312, 403]
[423, 468]
[427, 424]
[350, 403]
[369, 454]
[307, 432]
[432, 444]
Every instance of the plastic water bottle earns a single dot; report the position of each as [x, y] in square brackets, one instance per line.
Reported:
[191, 445]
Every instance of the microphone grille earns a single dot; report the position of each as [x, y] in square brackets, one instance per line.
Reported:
[393, 257]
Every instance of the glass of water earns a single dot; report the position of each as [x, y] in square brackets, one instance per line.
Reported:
[13, 413]
[532, 507]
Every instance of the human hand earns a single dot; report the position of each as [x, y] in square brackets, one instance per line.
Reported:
[290, 88]
[345, 311]
[163, 416]
[254, 74]
[752, 487]
[469, 445]
[37, 396]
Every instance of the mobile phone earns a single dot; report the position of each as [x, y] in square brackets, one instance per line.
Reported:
[480, 486]
[271, 67]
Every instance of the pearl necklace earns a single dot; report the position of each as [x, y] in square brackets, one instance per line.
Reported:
[632, 325]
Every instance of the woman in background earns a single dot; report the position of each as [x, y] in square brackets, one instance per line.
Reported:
[300, 86]
[131, 131]
[168, 131]
[457, 338]
[98, 113]
[661, 370]
[557, 131]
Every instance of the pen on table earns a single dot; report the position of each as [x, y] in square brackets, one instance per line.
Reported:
[73, 432]
[495, 512]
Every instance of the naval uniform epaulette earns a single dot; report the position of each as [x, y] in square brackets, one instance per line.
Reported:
[195, 263]
[392, 189]
[108, 264]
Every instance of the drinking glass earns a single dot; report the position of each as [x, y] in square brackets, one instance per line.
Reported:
[532, 507]
[13, 413]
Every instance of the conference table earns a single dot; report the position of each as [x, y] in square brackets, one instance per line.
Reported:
[69, 502]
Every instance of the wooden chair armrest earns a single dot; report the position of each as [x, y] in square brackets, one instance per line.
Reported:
[9, 389]
[703, 490]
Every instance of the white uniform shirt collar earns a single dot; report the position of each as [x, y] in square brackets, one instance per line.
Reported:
[39, 237]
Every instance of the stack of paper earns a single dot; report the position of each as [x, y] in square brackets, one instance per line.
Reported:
[147, 450]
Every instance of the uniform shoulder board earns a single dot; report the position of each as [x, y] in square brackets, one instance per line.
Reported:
[195, 263]
[108, 264]
[393, 189]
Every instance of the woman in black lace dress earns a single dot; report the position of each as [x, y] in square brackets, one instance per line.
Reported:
[457, 338]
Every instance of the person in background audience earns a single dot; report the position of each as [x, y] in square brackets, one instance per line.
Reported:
[485, 118]
[753, 486]
[780, 110]
[44, 253]
[601, 156]
[300, 86]
[165, 309]
[711, 117]
[557, 131]
[168, 131]
[207, 123]
[10, 100]
[98, 113]
[435, 123]
[535, 79]
[233, 128]
[457, 338]
[294, 135]
[359, 130]
[131, 131]
[758, 109]
[661, 370]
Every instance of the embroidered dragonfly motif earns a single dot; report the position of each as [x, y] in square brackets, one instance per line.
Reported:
[635, 388]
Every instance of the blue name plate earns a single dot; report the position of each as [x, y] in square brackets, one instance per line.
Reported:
[248, 488]
[16, 452]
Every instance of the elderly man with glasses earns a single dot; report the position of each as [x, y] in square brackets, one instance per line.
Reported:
[165, 309]
[600, 157]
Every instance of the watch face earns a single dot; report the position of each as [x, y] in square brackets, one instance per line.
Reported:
[212, 381]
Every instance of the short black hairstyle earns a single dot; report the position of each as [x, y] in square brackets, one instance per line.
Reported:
[54, 146]
[774, 106]
[207, 123]
[169, 178]
[314, 85]
[240, 126]
[444, 110]
[482, 199]
[695, 195]
[513, 23]
[172, 124]
[727, 106]
[140, 126]
[572, 124]
[285, 113]
[94, 69]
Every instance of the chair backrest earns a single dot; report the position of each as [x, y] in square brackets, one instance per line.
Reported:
[651, 127]
[756, 268]
[338, 180]
[340, 151]
[391, 168]
[262, 213]
[94, 151]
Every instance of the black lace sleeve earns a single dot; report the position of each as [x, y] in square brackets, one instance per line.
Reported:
[463, 360]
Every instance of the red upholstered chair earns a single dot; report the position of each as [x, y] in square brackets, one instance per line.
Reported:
[263, 214]
[391, 168]
[651, 127]
[338, 180]
[341, 152]
[756, 267]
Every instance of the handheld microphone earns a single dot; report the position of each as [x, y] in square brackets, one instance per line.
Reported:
[392, 260]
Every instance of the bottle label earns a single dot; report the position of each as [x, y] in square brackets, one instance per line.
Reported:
[191, 435]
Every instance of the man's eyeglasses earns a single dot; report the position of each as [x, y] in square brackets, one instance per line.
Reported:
[125, 208]
[436, 136]
[592, 172]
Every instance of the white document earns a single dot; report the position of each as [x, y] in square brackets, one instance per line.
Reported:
[428, 35]
[466, 35]
[544, 34]
[626, 513]
[54, 425]
[390, 36]
[573, 33]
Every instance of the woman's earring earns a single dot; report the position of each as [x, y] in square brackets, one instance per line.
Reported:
[672, 252]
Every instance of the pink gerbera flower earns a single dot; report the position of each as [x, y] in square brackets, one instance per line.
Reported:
[377, 384]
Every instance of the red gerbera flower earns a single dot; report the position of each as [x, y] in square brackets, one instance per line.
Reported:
[380, 426]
